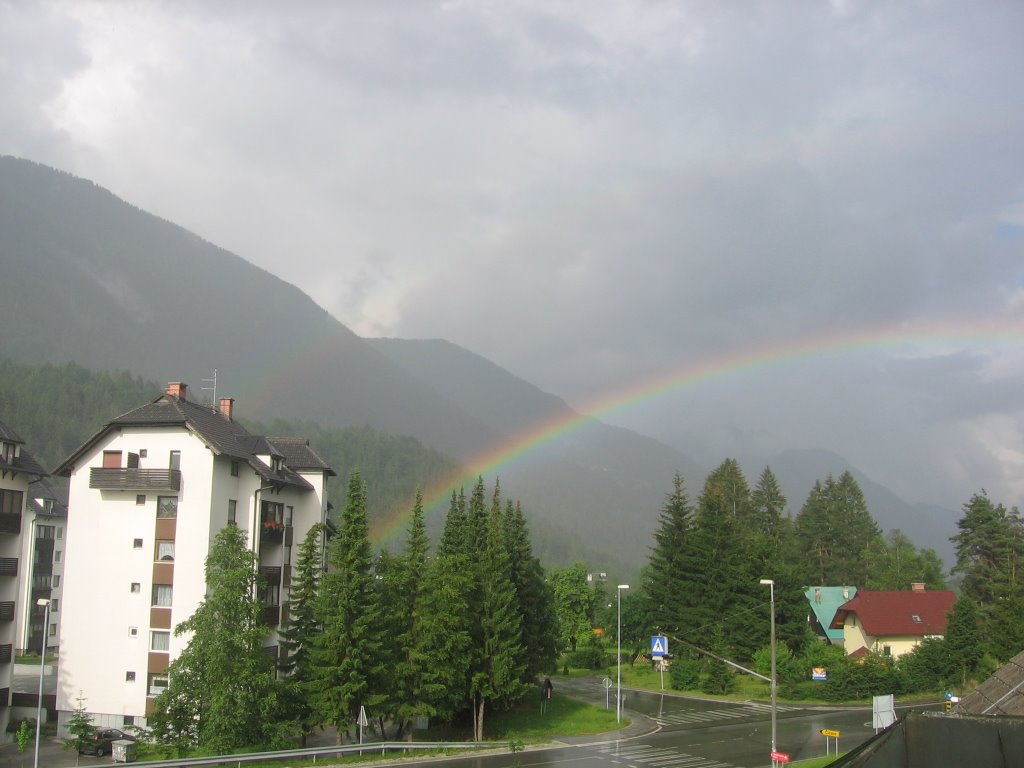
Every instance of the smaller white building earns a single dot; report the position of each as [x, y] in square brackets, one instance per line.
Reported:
[148, 493]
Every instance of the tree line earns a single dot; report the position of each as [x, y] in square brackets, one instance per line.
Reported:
[460, 632]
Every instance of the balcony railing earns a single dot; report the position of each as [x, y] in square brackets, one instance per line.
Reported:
[8, 566]
[273, 532]
[6, 653]
[7, 610]
[10, 523]
[135, 479]
[272, 615]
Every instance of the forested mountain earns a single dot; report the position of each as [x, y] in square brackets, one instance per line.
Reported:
[90, 279]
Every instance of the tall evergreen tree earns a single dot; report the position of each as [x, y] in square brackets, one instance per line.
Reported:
[223, 693]
[536, 599]
[497, 677]
[963, 641]
[347, 647]
[670, 579]
[988, 548]
[835, 530]
[768, 505]
[729, 589]
[303, 626]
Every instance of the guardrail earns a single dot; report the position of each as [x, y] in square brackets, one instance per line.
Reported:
[334, 751]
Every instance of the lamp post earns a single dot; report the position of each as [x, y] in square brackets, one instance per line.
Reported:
[618, 655]
[774, 683]
[42, 669]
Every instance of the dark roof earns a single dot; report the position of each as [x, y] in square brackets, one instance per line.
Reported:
[222, 436]
[298, 454]
[899, 612]
[47, 497]
[1002, 694]
[24, 461]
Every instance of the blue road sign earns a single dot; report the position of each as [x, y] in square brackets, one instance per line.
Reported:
[659, 645]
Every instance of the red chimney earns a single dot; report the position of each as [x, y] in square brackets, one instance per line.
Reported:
[177, 389]
[226, 405]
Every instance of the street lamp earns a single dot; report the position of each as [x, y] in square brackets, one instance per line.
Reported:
[42, 668]
[618, 655]
[774, 683]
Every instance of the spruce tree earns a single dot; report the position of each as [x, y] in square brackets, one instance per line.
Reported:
[535, 598]
[347, 648]
[670, 580]
[303, 626]
[497, 677]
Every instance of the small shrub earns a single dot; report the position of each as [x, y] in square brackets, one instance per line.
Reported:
[684, 674]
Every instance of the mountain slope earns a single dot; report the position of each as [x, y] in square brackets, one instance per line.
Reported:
[93, 280]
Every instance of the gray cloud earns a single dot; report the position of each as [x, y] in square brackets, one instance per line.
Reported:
[596, 196]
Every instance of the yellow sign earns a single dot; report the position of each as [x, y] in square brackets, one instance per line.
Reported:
[828, 732]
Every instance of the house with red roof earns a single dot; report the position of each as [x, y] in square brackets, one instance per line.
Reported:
[892, 622]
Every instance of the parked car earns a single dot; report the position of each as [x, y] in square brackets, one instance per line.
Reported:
[100, 742]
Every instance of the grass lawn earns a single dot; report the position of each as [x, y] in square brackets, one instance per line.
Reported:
[563, 717]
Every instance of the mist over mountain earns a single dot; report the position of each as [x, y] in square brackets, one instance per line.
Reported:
[90, 279]
[93, 280]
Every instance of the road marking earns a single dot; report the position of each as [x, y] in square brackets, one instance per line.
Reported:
[662, 757]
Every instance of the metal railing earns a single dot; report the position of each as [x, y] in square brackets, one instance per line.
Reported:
[312, 753]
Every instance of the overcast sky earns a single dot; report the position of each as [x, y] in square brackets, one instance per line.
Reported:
[599, 194]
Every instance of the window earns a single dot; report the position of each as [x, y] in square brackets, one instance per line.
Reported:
[157, 683]
[136, 588]
[175, 461]
[166, 506]
[234, 469]
[10, 502]
[136, 543]
[111, 459]
[60, 532]
[53, 630]
[159, 641]
[162, 595]
[129, 677]
[129, 719]
[232, 511]
[886, 650]
[45, 531]
[140, 499]
[56, 555]
[271, 512]
[289, 511]
[133, 460]
[133, 631]
[916, 618]
[143, 452]
[272, 595]
[53, 606]
[56, 580]
[41, 581]
[165, 550]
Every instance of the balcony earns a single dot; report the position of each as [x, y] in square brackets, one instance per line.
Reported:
[8, 566]
[273, 532]
[133, 479]
[272, 615]
[271, 575]
[10, 523]
[7, 610]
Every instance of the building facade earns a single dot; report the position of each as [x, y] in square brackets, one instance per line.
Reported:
[42, 553]
[18, 470]
[147, 495]
[892, 622]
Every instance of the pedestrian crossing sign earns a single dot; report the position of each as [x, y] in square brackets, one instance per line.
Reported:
[659, 645]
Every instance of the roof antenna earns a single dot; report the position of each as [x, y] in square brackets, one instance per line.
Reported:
[212, 388]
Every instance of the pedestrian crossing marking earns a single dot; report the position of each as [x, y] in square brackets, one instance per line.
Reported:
[661, 757]
[684, 716]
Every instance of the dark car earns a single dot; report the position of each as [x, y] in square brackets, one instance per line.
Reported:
[101, 740]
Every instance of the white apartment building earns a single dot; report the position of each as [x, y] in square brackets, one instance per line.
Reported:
[147, 495]
[17, 471]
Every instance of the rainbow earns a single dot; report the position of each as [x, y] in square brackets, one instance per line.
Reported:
[934, 338]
